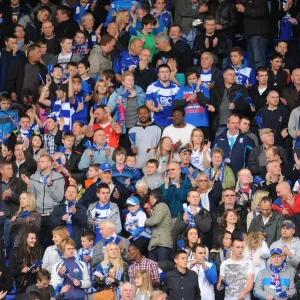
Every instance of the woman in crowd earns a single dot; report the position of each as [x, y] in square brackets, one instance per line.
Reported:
[53, 254]
[163, 154]
[101, 94]
[210, 192]
[190, 239]
[122, 21]
[176, 77]
[255, 209]
[219, 169]
[36, 146]
[245, 188]
[110, 273]
[143, 193]
[257, 250]
[25, 261]
[230, 222]
[143, 285]
[200, 157]
[25, 218]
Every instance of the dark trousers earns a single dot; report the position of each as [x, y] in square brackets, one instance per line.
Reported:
[125, 142]
[45, 235]
[160, 254]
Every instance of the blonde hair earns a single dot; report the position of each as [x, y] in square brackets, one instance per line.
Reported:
[156, 294]
[86, 16]
[127, 74]
[118, 262]
[257, 198]
[69, 242]
[62, 232]
[202, 135]
[254, 240]
[201, 174]
[159, 149]
[120, 19]
[96, 93]
[146, 280]
[31, 203]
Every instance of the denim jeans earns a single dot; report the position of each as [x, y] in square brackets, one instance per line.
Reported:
[257, 51]
[160, 253]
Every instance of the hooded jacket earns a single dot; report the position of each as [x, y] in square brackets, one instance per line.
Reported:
[272, 229]
[294, 259]
[47, 196]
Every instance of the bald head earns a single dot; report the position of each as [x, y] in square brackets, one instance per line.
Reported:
[296, 76]
[283, 189]
[136, 46]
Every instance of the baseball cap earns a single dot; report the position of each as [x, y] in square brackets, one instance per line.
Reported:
[133, 200]
[184, 149]
[288, 224]
[265, 131]
[276, 250]
[105, 167]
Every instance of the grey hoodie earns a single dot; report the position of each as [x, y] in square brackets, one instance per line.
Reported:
[294, 259]
[114, 215]
[47, 196]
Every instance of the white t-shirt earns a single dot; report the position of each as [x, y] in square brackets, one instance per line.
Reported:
[176, 134]
[236, 275]
[197, 158]
[64, 59]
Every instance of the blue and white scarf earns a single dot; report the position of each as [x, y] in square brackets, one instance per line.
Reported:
[275, 280]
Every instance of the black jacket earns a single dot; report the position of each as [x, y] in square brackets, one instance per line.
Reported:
[259, 100]
[256, 18]
[90, 196]
[3, 208]
[6, 282]
[242, 212]
[279, 82]
[185, 50]
[28, 167]
[144, 77]
[12, 203]
[67, 29]
[236, 234]
[225, 14]
[180, 286]
[203, 222]
[79, 220]
[220, 51]
[292, 96]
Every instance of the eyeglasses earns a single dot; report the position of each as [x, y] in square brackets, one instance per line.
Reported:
[171, 170]
[229, 195]
[202, 180]
[276, 256]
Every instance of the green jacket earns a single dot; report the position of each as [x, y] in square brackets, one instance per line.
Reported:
[160, 223]
[149, 42]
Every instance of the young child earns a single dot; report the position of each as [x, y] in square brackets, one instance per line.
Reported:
[85, 254]
[80, 45]
[43, 285]
[22, 134]
[57, 75]
[162, 15]
[110, 77]
[103, 209]
[71, 68]
[135, 224]
[72, 158]
[10, 118]
[61, 107]
[101, 93]
[79, 99]
[93, 175]
[130, 162]
[88, 83]
[244, 74]
[153, 178]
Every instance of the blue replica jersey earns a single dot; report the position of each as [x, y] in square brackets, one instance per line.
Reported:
[63, 110]
[159, 94]
[194, 113]
[81, 116]
[244, 75]
[80, 11]
[118, 5]
[206, 79]
[123, 61]
[165, 18]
